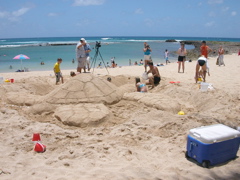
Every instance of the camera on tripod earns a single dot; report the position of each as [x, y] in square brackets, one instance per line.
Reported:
[97, 52]
[98, 44]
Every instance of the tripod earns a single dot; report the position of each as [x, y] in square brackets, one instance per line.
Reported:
[97, 52]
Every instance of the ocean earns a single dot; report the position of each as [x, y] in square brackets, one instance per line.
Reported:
[48, 50]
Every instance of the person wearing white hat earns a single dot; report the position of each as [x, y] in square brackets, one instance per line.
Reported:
[81, 55]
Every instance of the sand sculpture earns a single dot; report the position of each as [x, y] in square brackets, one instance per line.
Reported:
[79, 102]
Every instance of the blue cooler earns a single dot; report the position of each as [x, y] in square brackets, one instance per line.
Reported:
[214, 144]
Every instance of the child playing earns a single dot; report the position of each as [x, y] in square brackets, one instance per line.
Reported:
[140, 86]
[57, 70]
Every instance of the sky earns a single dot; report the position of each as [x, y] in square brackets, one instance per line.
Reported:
[75, 18]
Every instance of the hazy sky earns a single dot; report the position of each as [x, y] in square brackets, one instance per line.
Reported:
[64, 18]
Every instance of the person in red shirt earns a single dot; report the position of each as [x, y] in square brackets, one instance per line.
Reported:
[204, 49]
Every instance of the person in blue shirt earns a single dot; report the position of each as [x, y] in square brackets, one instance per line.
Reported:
[147, 55]
[87, 49]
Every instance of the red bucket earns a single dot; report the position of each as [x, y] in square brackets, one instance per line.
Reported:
[39, 147]
[36, 137]
[12, 80]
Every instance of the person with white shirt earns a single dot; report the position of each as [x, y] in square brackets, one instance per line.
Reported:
[201, 63]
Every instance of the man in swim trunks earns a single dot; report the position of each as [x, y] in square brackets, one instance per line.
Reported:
[182, 52]
[201, 62]
[155, 78]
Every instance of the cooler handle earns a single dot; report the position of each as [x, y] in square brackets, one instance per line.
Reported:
[190, 150]
[197, 134]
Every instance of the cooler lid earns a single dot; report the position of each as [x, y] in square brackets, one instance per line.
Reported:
[214, 133]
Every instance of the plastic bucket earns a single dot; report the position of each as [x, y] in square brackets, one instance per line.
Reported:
[12, 80]
[145, 76]
[204, 86]
[36, 137]
[39, 147]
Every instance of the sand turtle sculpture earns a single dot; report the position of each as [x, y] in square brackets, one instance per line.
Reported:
[80, 102]
[85, 88]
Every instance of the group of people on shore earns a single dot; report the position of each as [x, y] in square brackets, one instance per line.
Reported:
[83, 49]
[82, 55]
[202, 66]
[153, 80]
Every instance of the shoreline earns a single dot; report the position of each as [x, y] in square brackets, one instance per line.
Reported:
[120, 70]
[158, 56]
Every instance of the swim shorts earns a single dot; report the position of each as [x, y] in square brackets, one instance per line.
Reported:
[147, 57]
[181, 58]
[201, 62]
[157, 80]
[58, 76]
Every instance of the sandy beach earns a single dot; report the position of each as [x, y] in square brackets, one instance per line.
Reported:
[94, 129]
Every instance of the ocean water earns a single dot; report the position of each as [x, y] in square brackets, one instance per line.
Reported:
[122, 48]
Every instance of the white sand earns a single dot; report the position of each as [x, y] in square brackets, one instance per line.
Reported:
[144, 138]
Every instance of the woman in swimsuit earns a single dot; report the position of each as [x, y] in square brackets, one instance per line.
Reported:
[220, 56]
[201, 62]
[140, 86]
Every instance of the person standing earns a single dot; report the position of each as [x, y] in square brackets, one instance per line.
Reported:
[166, 57]
[87, 49]
[147, 55]
[182, 52]
[81, 55]
[57, 70]
[220, 56]
[204, 49]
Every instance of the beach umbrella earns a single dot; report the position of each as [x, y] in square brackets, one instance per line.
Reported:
[21, 57]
